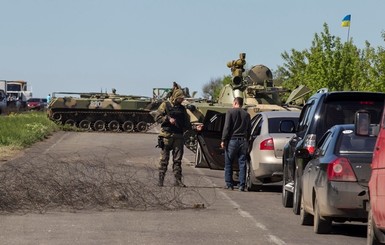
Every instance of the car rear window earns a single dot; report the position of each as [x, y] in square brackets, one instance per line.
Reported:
[274, 123]
[352, 143]
[342, 112]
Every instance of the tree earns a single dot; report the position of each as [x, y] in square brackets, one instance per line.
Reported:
[329, 63]
[213, 87]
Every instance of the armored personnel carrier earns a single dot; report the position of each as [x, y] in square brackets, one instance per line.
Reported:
[257, 88]
[101, 111]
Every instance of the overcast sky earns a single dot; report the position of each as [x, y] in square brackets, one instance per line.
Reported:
[136, 45]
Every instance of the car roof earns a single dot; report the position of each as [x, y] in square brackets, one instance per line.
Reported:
[343, 127]
[349, 95]
[272, 114]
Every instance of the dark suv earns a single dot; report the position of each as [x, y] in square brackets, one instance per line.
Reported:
[322, 111]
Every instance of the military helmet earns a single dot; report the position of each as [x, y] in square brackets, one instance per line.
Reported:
[178, 93]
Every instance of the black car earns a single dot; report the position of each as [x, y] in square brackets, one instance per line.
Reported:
[322, 111]
[335, 181]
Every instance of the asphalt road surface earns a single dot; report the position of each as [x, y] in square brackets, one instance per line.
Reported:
[202, 213]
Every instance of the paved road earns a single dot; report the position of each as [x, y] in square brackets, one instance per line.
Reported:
[228, 217]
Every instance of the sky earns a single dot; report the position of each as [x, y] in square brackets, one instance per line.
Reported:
[137, 45]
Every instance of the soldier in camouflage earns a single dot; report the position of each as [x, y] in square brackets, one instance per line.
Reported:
[174, 122]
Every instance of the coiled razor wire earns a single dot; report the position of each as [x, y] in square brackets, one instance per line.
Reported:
[39, 185]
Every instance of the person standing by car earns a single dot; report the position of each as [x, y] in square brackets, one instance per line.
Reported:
[235, 136]
[48, 98]
[174, 122]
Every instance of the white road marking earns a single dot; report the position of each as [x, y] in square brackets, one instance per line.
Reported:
[57, 142]
[273, 239]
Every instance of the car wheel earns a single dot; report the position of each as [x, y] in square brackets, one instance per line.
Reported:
[296, 195]
[287, 196]
[250, 186]
[322, 225]
[306, 218]
[371, 237]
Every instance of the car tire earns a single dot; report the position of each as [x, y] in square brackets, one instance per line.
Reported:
[287, 196]
[250, 186]
[306, 218]
[322, 225]
[371, 237]
[296, 195]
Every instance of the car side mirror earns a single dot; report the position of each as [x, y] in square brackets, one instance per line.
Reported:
[287, 126]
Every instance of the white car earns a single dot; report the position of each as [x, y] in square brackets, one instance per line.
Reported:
[271, 130]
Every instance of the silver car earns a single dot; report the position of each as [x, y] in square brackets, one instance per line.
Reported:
[271, 130]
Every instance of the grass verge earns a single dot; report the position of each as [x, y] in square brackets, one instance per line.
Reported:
[18, 131]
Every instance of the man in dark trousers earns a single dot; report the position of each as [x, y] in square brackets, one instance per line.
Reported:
[174, 122]
[235, 137]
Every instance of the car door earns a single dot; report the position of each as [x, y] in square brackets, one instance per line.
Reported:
[312, 170]
[210, 139]
[377, 181]
[256, 125]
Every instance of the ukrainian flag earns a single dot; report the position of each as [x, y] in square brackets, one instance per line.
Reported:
[346, 21]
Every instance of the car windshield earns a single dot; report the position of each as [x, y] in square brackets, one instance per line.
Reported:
[274, 123]
[352, 143]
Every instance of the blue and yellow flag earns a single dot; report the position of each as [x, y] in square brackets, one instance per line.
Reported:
[346, 21]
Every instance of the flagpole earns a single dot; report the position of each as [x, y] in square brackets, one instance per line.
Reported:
[348, 33]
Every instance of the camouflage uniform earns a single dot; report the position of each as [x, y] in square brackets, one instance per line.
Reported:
[172, 135]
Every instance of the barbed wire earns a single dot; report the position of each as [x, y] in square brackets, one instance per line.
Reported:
[71, 184]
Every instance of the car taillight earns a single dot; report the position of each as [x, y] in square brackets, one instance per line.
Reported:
[267, 144]
[366, 103]
[309, 143]
[341, 170]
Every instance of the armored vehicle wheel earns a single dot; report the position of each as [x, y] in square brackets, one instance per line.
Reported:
[56, 116]
[70, 122]
[199, 158]
[85, 124]
[128, 126]
[141, 126]
[190, 139]
[113, 125]
[100, 125]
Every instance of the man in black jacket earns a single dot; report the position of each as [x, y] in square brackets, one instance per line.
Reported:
[235, 136]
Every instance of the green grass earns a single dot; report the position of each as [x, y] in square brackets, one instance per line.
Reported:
[23, 130]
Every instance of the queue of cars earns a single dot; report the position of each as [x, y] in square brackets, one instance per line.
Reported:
[326, 159]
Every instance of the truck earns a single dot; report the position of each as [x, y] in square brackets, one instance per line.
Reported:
[17, 93]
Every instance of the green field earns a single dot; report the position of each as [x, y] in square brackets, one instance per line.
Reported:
[20, 130]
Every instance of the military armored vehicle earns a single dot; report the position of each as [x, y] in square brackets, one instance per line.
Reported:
[257, 88]
[101, 111]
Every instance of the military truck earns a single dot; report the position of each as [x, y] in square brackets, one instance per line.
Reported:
[101, 111]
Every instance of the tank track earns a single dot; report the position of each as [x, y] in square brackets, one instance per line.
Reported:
[104, 120]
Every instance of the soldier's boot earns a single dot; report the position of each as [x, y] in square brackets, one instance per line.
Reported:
[179, 182]
[161, 179]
